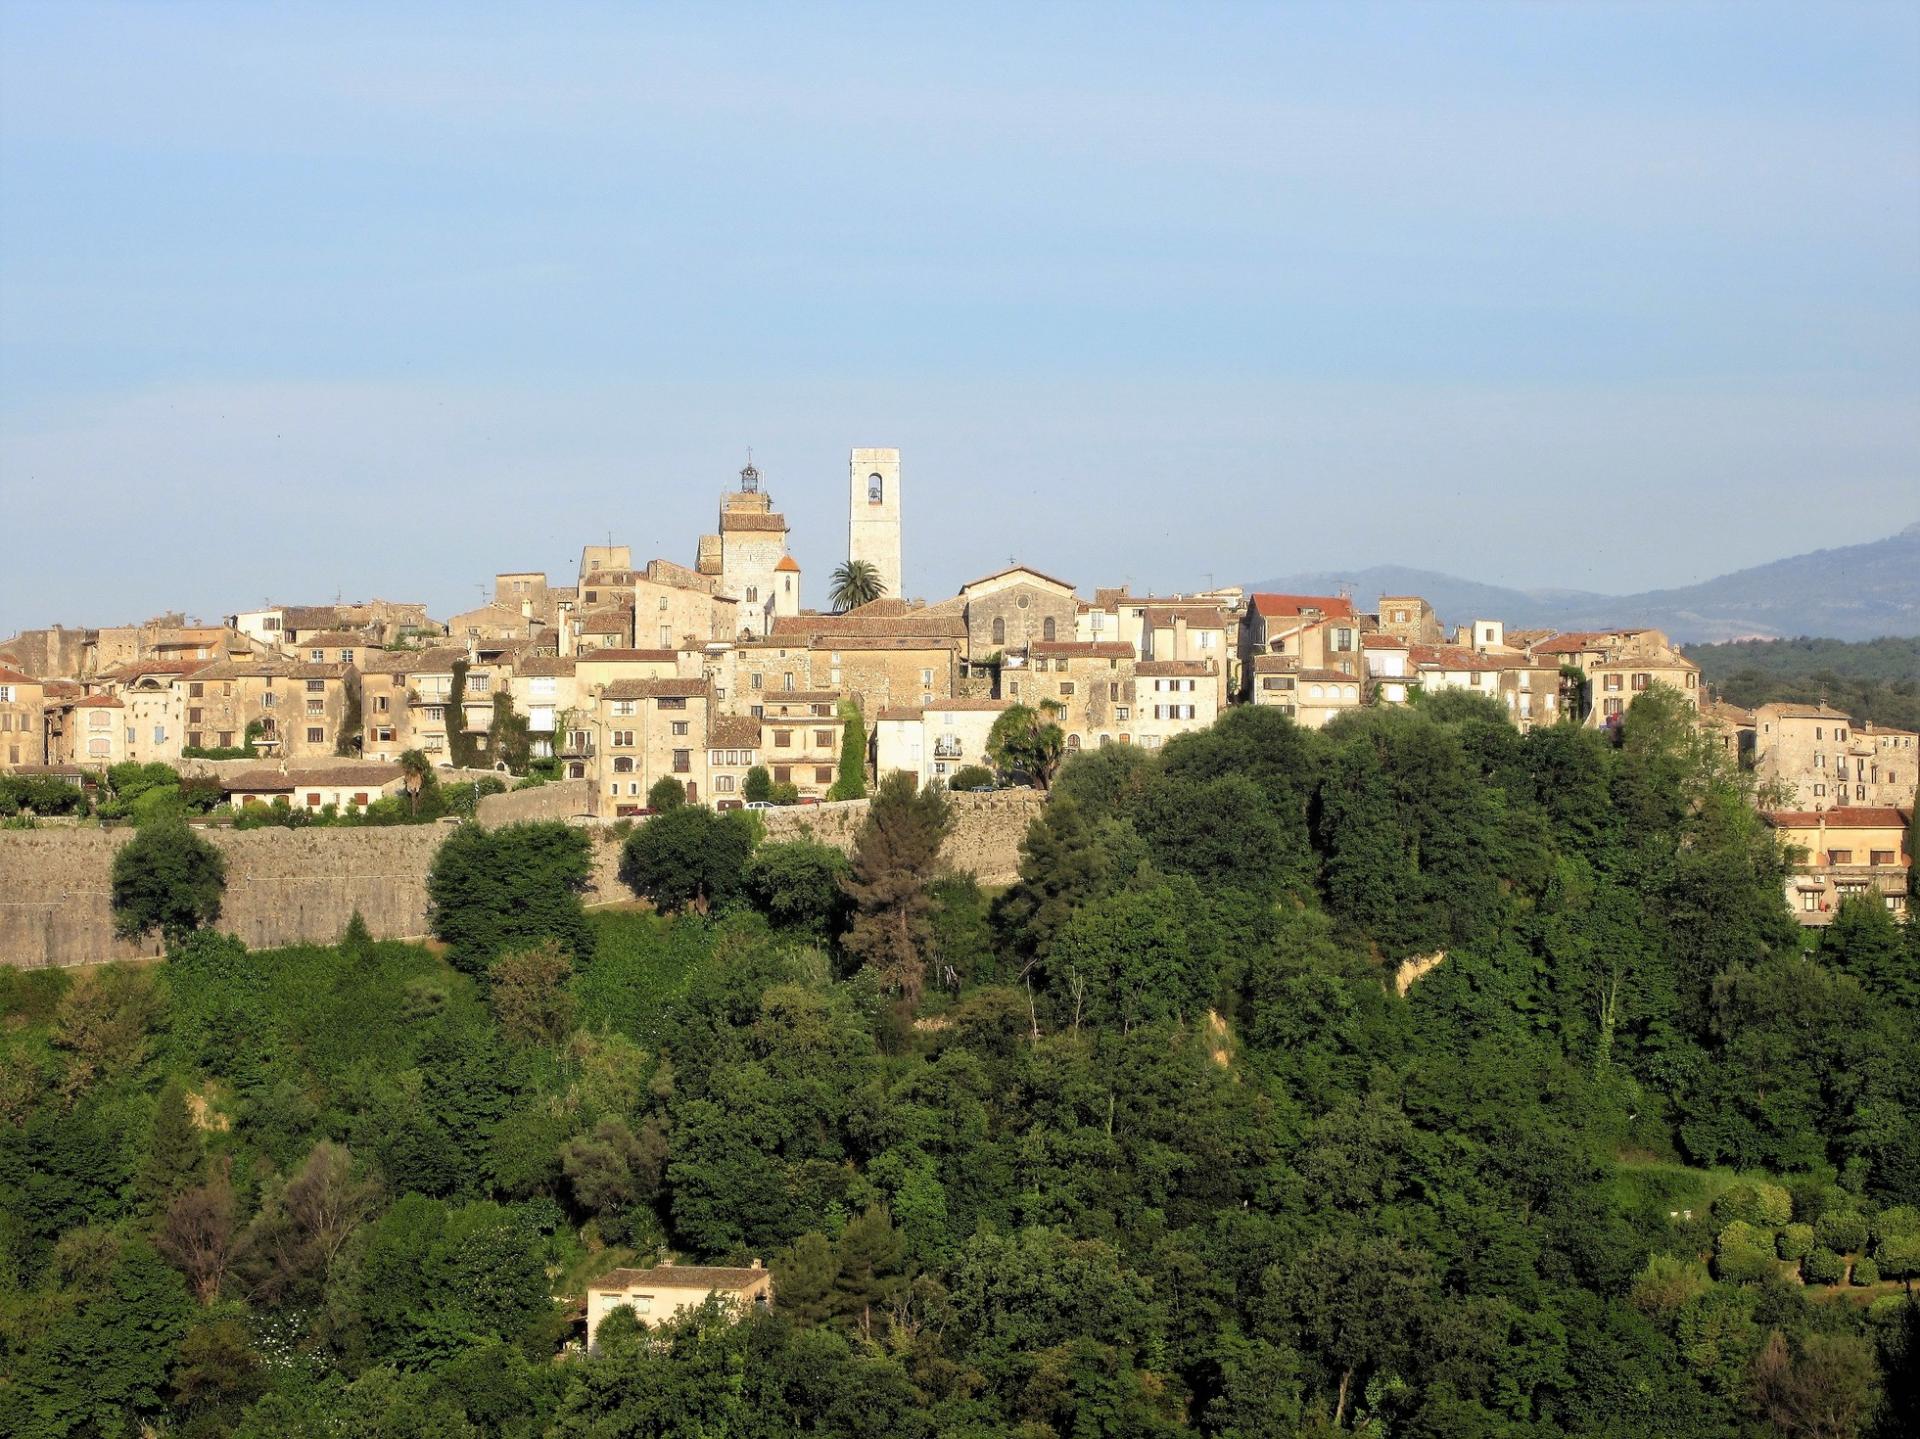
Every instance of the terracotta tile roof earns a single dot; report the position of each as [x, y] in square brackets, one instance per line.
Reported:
[98, 702]
[352, 639]
[799, 697]
[1110, 598]
[310, 617]
[59, 689]
[1328, 677]
[263, 668]
[788, 565]
[655, 689]
[1291, 606]
[14, 677]
[1150, 668]
[1383, 642]
[1454, 657]
[1802, 711]
[736, 520]
[1081, 649]
[733, 732]
[1275, 664]
[906, 713]
[543, 665]
[1015, 570]
[617, 656]
[154, 667]
[1197, 615]
[608, 622]
[437, 661]
[272, 780]
[1861, 817]
[878, 609]
[682, 1276]
[853, 644]
[1577, 641]
[917, 625]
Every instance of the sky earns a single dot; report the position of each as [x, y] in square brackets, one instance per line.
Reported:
[299, 301]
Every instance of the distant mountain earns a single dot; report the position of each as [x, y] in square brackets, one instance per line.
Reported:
[1857, 592]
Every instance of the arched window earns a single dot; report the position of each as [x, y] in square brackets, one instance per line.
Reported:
[1073, 741]
[753, 593]
[999, 630]
[876, 489]
[1047, 629]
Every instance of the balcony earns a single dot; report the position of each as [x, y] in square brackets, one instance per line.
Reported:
[947, 749]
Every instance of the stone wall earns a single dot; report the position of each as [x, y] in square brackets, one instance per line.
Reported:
[301, 886]
[283, 887]
[984, 841]
[568, 800]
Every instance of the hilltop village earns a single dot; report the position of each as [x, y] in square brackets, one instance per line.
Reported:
[738, 679]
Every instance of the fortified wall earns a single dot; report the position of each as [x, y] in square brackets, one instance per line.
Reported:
[301, 886]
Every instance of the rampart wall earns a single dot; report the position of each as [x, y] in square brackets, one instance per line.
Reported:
[301, 886]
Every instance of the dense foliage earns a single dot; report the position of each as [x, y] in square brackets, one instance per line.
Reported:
[167, 878]
[1413, 1078]
[1875, 681]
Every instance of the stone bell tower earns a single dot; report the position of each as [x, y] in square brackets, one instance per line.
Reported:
[873, 514]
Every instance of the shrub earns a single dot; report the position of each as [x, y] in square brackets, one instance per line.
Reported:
[1794, 1242]
[167, 878]
[1898, 1256]
[666, 793]
[42, 794]
[1667, 1285]
[1865, 1271]
[757, 788]
[851, 782]
[971, 776]
[1898, 1222]
[1743, 1252]
[1843, 1232]
[1756, 1202]
[1823, 1266]
[785, 794]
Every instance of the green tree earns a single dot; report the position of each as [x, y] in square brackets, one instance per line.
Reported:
[493, 889]
[895, 859]
[666, 793]
[798, 884]
[175, 1153]
[851, 782]
[167, 878]
[416, 772]
[528, 991]
[855, 583]
[1026, 740]
[687, 858]
[970, 776]
[757, 787]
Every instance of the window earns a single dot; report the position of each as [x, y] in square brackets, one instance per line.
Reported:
[876, 490]
[1810, 900]
[1839, 856]
[435, 714]
[755, 681]
[1881, 856]
[1613, 708]
[999, 630]
[479, 684]
[316, 687]
[193, 739]
[623, 708]
[822, 738]
[679, 727]
[623, 764]
[1819, 789]
[1641, 681]
[783, 774]
[380, 703]
[1611, 682]
[723, 784]
[316, 707]
[346, 657]
[1066, 689]
[783, 739]
[318, 656]
[196, 716]
[753, 593]
[1047, 628]
[316, 736]
[269, 700]
[786, 681]
[1121, 714]
[683, 761]
[622, 739]
[672, 702]
[313, 799]
[196, 691]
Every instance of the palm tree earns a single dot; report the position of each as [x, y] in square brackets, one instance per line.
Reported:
[856, 583]
[415, 766]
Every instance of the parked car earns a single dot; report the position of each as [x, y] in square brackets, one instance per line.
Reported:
[761, 804]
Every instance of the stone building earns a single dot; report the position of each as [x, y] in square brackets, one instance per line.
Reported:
[1813, 757]
[1842, 853]
[1313, 631]
[800, 739]
[1175, 697]
[90, 730]
[1010, 610]
[873, 515]
[347, 785]
[1612, 668]
[733, 748]
[1312, 696]
[300, 708]
[154, 692]
[23, 720]
[1526, 687]
[646, 730]
[745, 556]
[1410, 619]
[1091, 681]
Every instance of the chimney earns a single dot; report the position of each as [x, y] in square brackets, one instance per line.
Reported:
[756, 1263]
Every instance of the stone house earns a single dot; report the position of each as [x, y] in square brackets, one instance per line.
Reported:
[23, 719]
[745, 555]
[1314, 631]
[1731, 729]
[1312, 696]
[610, 627]
[301, 708]
[1410, 619]
[1388, 662]
[1092, 682]
[800, 734]
[1528, 689]
[1839, 853]
[154, 692]
[546, 689]
[666, 1291]
[1199, 632]
[646, 729]
[1612, 668]
[90, 730]
[936, 741]
[490, 624]
[1174, 697]
[1814, 757]
[340, 647]
[733, 748]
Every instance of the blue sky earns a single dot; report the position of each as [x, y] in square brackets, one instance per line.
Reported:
[297, 300]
